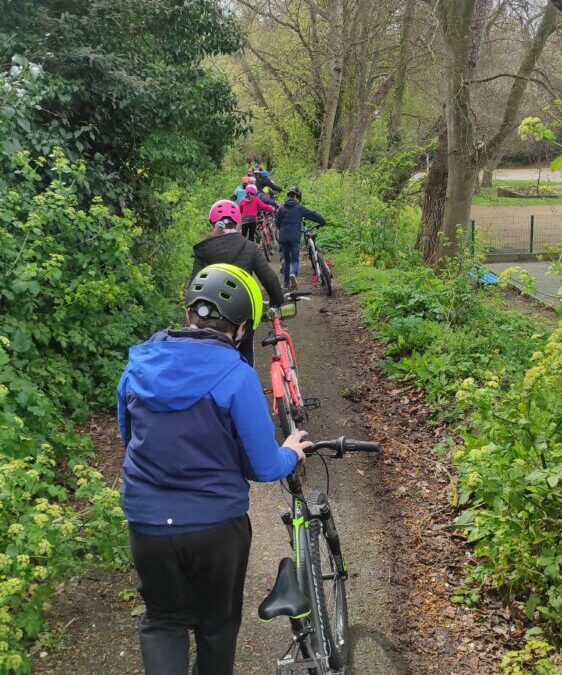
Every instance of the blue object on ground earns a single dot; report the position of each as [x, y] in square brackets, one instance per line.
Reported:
[483, 276]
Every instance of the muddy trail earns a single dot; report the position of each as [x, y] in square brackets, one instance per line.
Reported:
[392, 512]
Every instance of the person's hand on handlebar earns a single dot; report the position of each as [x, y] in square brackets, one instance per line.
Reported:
[297, 442]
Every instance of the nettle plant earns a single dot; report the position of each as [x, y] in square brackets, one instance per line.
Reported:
[511, 484]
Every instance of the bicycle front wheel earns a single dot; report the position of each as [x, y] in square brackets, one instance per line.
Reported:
[326, 275]
[330, 597]
[286, 421]
[266, 251]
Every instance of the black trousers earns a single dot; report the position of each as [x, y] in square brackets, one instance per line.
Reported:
[192, 581]
[249, 229]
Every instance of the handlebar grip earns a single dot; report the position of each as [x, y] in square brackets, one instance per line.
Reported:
[349, 445]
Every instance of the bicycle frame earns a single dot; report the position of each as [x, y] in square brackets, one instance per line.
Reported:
[297, 522]
[312, 252]
[281, 370]
[264, 228]
[310, 521]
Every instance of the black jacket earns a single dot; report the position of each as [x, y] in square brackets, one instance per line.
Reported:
[265, 181]
[237, 250]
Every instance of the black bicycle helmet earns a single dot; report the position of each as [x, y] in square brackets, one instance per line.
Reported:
[230, 290]
[294, 191]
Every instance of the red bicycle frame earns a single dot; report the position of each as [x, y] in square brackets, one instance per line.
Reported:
[283, 366]
[262, 224]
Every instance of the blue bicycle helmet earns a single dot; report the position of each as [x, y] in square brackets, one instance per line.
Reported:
[264, 173]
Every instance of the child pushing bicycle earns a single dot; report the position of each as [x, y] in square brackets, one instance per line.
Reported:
[195, 423]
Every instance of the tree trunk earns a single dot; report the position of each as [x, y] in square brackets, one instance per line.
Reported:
[334, 89]
[394, 135]
[350, 157]
[463, 169]
[487, 176]
[428, 241]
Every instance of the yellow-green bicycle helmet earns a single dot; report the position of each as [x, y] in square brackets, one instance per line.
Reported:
[234, 293]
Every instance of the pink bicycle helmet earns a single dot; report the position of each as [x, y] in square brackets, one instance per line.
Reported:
[251, 190]
[224, 208]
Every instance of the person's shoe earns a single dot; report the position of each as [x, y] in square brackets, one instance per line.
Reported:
[285, 288]
[293, 282]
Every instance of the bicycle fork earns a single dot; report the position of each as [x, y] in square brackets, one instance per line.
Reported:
[319, 507]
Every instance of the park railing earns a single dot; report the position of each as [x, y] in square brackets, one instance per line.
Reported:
[527, 235]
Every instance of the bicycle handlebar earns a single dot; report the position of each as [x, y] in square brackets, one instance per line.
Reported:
[342, 445]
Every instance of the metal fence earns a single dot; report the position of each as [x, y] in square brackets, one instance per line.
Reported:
[501, 236]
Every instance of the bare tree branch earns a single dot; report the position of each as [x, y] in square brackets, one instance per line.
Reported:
[542, 83]
[258, 93]
[534, 50]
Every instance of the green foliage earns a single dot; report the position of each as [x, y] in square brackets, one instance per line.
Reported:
[71, 294]
[72, 297]
[42, 535]
[483, 366]
[136, 104]
[534, 127]
[441, 329]
[533, 659]
[510, 473]
[365, 210]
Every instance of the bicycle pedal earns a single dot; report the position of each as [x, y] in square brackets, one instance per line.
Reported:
[311, 403]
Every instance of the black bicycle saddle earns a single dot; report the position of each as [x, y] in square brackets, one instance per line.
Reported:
[285, 598]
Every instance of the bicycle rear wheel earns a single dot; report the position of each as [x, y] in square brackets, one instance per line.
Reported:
[326, 274]
[329, 594]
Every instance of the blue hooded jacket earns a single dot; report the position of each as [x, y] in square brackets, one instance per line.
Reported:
[289, 220]
[195, 422]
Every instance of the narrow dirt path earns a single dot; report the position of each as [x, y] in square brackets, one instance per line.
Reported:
[327, 335]
[392, 513]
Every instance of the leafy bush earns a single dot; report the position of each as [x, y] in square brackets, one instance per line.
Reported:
[136, 104]
[511, 479]
[454, 338]
[407, 334]
[440, 330]
[42, 535]
[71, 294]
[358, 215]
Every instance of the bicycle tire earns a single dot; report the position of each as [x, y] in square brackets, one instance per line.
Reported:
[326, 275]
[334, 626]
[266, 251]
[286, 421]
[310, 252]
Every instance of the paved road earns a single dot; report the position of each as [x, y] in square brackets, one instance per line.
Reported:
[548, 285]
[529, 173]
